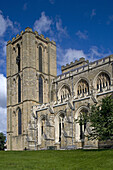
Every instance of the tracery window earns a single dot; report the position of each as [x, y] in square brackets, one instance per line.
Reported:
[83, 88]
[19, 122]
[40, 59]
[103, 82]
[19, 89]
[64, 93]
[40, 89]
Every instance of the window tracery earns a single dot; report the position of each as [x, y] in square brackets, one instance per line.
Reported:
[103, 82]
[82, 88]
[64, 93]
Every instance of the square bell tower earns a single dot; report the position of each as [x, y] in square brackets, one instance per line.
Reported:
[31, 66]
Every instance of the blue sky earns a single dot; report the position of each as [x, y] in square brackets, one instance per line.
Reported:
[81, 28]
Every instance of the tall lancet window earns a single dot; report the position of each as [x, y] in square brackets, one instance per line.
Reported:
[19, 89]
[18, 58]
[40, 89]
[19, 122]
[40, 59]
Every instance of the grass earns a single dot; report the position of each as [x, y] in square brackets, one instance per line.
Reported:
[57, 160]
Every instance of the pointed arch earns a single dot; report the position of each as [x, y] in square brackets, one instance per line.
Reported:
[82, 87]
[102, 81]
[41, 128]
[80, 128]
[59, 125]
[40, 59]
[64, 92]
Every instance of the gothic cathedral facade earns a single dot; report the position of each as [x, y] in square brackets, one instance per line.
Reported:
[41, 106]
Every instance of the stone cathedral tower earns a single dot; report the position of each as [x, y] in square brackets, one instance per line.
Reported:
[31, 66]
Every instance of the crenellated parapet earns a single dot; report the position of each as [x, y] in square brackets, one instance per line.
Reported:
[74, 65]
[29, 30]
[83, 68]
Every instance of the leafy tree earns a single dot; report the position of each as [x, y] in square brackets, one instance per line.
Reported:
[2, 140]
[100, 120]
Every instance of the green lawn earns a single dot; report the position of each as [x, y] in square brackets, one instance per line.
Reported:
[52, 160]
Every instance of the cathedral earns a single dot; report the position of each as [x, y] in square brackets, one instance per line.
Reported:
[42, 107]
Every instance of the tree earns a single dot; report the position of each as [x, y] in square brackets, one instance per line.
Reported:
[100, 120]
[2, 140]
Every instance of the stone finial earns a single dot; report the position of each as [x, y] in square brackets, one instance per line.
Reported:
[71, 62]
[13, 38]
[42, 36]
[53, 42]
[36, 32]
[28, 29]
[17, 35]
[9, 42]
[21, 32]
[47, 39]
[82, 59]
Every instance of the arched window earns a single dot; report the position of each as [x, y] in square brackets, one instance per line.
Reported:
[103, 82]
[18, 58]
[83, 88]
[19, 122]
[19, 89]
[82, 125]
[64, 93]
[40, 59]
[40, 89]
[61, 126]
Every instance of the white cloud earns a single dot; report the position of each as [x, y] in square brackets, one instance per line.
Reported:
[3, 92]
[61, 31]
[52, 27]
[93, 13]
[3, 120]
[7, 23]
[66, 56]
[43, 25]
[52, 1]
[69, 55]
[3, 49]
[82, 35]
[3, 110]
[96, 53]
[4, 24]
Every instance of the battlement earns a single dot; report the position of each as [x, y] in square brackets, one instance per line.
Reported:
[29, 30]
[74, 65]
[83, 68]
